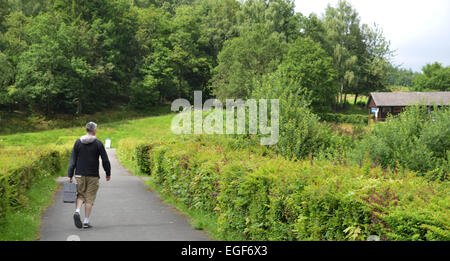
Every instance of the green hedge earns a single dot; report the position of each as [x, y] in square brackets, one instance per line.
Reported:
[15, 181]
[344, 118]
[144, 157]
[261, 198]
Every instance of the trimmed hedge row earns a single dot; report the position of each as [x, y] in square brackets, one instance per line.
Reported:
[15, 181]
[261, 198]
[344, 118]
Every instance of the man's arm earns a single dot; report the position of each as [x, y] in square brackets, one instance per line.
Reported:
[73, 160]
[105, 160]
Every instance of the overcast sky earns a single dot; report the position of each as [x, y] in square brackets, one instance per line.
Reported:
[419, 30]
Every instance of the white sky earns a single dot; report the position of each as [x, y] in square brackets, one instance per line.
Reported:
[419, 31]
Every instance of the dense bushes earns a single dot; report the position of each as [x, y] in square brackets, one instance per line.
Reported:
[262, 198]
[344, 118]
[17, 178]
[300, 132]
[414, 139]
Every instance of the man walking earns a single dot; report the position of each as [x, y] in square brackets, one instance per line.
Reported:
[84, 162]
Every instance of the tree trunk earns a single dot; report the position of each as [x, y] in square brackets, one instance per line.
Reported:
[79, 106]
[48, 104]
[356, 99]
[345, 100]
[341, 105]
[180, 80]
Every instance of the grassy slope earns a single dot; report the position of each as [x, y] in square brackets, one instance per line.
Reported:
[19, 122]
[143, 128]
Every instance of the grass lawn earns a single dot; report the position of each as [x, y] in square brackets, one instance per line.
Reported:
[361, 98]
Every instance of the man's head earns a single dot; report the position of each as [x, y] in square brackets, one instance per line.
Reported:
[91, 128]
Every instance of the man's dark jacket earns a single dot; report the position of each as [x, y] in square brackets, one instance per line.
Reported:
[84, 158]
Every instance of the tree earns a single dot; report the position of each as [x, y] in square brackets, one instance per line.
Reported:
[171, 5]
[374, 66]
[4, 10]
[155, 78]
[309, 66]
[313, 28]
[301, 133]
[244, 58]
[44, 74]
[188, 57]
[277, 15]
[343, 35]
[15, 38]
[13, 42]
[30, 8]
[435, 77]
[218, 24]
[6, 77]
[142, 3]
[68, 67]
[360, 53]
[399, 76]
[117, 21]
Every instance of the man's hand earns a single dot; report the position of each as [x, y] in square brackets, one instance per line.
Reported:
[70, 180]
[108, 178]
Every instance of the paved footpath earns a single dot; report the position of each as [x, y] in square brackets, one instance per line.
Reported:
[124, 210]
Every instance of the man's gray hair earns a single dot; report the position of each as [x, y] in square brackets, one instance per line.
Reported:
[91, 126]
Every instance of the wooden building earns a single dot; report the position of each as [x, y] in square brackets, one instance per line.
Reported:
[381, 104]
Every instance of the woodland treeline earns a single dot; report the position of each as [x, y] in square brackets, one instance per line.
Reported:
[81, 56]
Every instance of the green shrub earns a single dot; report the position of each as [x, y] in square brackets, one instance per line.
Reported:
[187, 175]
[413, 139]
[15, 180]
[344, 118]
[300, 132]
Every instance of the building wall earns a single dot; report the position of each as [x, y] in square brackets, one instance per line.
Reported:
[371, 103]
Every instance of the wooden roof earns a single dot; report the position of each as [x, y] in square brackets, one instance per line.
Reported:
[409, 98]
